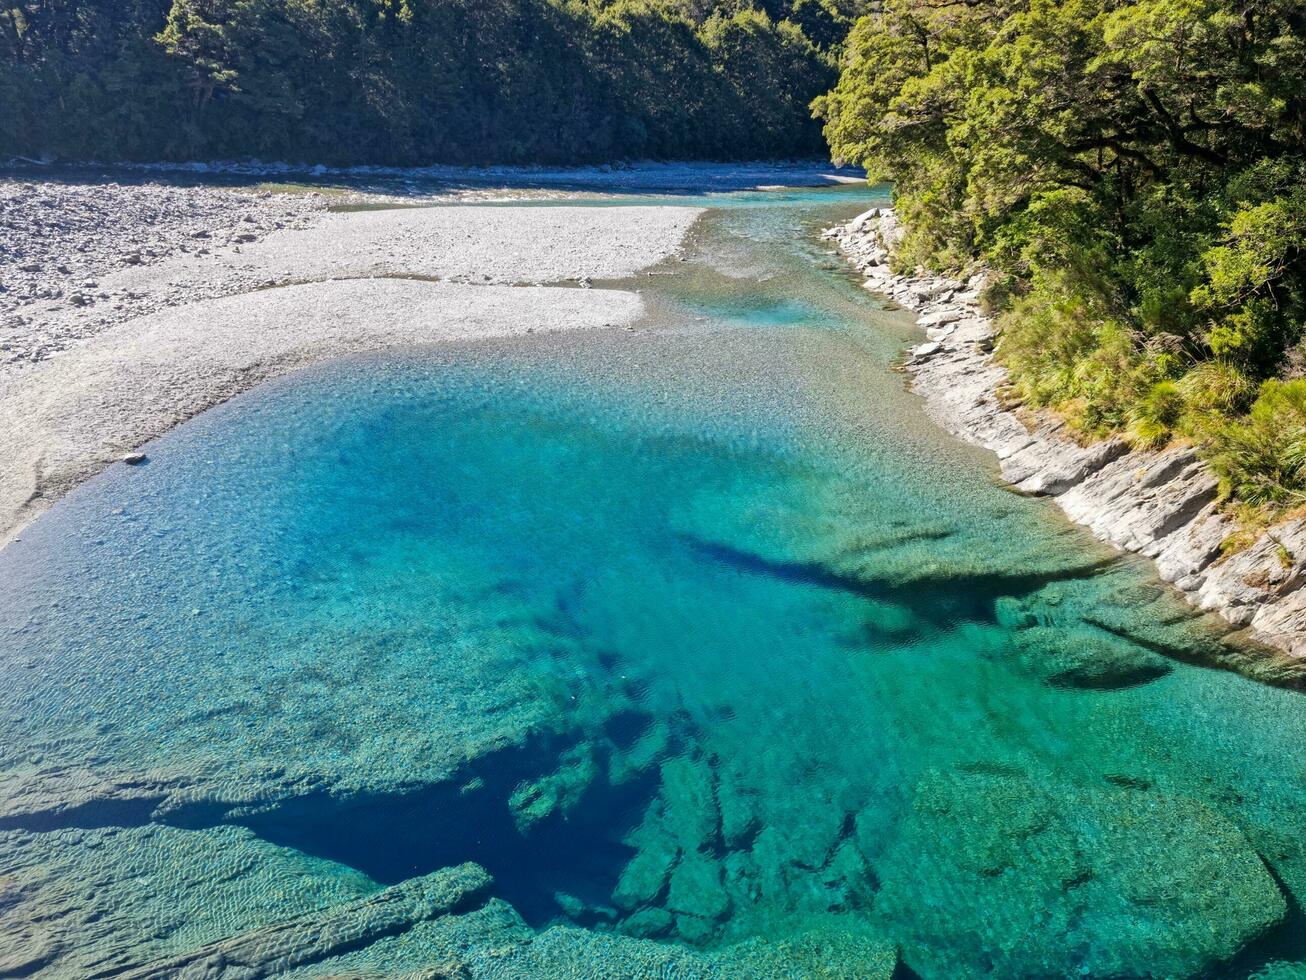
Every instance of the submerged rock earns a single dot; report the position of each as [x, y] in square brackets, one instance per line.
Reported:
[839, 947]
[738, 814]
[696, 888]
[646, 875]
[652, 745]
[695, 929]
[648, 923]
[843, 947]
[557, 793]
[994, 875]
[847, 880]
[689, 803]
[1086, 657]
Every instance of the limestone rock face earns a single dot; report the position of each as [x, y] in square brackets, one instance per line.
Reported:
[1266, 574]
[1067, 881]
[1160, 504]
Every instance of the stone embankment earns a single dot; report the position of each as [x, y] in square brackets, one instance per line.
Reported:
[1158, 503]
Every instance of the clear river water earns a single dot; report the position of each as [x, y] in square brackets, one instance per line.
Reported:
[701, 639]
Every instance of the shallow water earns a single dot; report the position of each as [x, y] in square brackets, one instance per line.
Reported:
[701, 639]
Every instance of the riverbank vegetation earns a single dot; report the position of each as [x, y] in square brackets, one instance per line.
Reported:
[416, 81]
[1134, 175]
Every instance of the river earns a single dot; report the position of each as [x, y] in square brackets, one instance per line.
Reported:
[699, 637]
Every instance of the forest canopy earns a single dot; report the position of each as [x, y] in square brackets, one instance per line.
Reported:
[1134, 176]
[416, 81]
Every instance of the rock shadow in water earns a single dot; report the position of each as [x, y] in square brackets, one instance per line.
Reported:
[552, 844]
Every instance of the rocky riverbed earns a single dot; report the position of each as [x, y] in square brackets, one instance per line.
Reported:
[1159, 503]
[60, 240]
[690, 649]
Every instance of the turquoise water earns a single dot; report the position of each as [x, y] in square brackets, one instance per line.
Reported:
[700, 639]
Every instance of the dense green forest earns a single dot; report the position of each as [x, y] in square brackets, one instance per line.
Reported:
[417, 81]
[1135, 176]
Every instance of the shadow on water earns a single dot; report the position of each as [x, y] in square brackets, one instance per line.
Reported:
[942, 599]
[1285, 943]
[946, 597]
[565, 863]
[562, 863]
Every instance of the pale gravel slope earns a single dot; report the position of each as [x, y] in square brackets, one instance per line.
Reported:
[65, 419]
[509, 245]
[480, 244]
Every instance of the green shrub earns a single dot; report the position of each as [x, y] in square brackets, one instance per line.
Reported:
[1217, 388]
[1261, 458]
[1155, 417]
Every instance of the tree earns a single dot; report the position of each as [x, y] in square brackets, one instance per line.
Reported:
[1131, 173]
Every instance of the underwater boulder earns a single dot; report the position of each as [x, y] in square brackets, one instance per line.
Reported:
[789, 858]
[558, 793]
[695, 929]
[646, 875]
[1282, 970]
[873, 827]
[741, 879]
[625, 765]
[833, 947]
[1191, 891]
[1145, 613]
[847, 880]
[648, 923]
[993, 875]
[738, 814]
[689, 805]
[696, 888]
[1086, 657]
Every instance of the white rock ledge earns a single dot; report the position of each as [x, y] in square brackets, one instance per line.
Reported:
[1161, 503]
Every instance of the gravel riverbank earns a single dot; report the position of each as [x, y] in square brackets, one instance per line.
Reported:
[60, 241]
[1158, 503]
